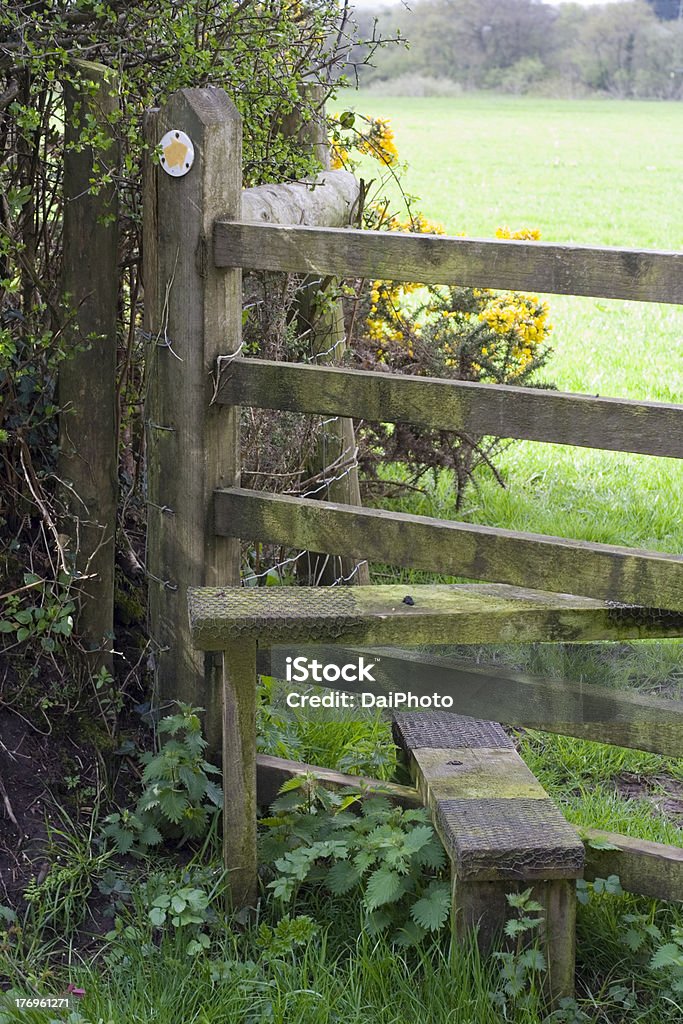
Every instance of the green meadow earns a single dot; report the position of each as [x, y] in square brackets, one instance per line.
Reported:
[590, 172]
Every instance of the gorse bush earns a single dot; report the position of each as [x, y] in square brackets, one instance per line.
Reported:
[457, 333]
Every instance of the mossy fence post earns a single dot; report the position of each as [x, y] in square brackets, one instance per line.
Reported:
[88, 449]
[193, 315]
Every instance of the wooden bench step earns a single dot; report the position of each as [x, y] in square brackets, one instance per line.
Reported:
[500, 828]
[493, 815]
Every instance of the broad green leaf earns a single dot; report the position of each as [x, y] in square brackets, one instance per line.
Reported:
[172, 804]
[157, 916]
[342, 877]
[533, 959]
[418, 837]
[431, 911]
[383, 886]
[668, 955]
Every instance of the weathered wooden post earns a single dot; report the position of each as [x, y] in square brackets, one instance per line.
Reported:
[88, 450]
[193, 315]
[322, 315]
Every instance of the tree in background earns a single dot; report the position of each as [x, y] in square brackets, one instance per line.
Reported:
[667, 10]
[518, 46]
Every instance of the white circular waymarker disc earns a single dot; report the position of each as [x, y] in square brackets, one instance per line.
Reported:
[177, 153]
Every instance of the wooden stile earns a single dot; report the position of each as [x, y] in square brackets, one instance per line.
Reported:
[498, 824]
[501, 830]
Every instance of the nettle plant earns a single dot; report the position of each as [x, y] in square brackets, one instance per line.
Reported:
[179, 799]
[388, 858]
[38, 611]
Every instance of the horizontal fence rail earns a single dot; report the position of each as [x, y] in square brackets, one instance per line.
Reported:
[649, 578]
[500, 410]
[643, 275]
[627, 718]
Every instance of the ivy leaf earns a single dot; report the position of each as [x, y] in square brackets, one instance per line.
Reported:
[431, 912]
[383, 886]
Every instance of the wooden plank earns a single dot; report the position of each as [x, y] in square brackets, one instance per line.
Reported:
[192, 446]
[440, 614]
[648, 276]
[648, 578]
[272, 772]
[239, 770]
[644, 867]
[499, 826]
[88, 445]
[616, 424]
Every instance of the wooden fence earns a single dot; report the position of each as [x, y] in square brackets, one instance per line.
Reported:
[198, 241]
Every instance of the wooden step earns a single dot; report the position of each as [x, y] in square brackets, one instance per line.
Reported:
[501, 830]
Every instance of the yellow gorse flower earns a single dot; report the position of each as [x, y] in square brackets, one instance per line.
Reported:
[378, 141]
[520, 235]
[517, 323]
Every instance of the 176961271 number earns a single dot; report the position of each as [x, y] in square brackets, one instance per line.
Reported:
[44, 1003]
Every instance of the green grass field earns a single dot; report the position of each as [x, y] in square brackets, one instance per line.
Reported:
[589, 172]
